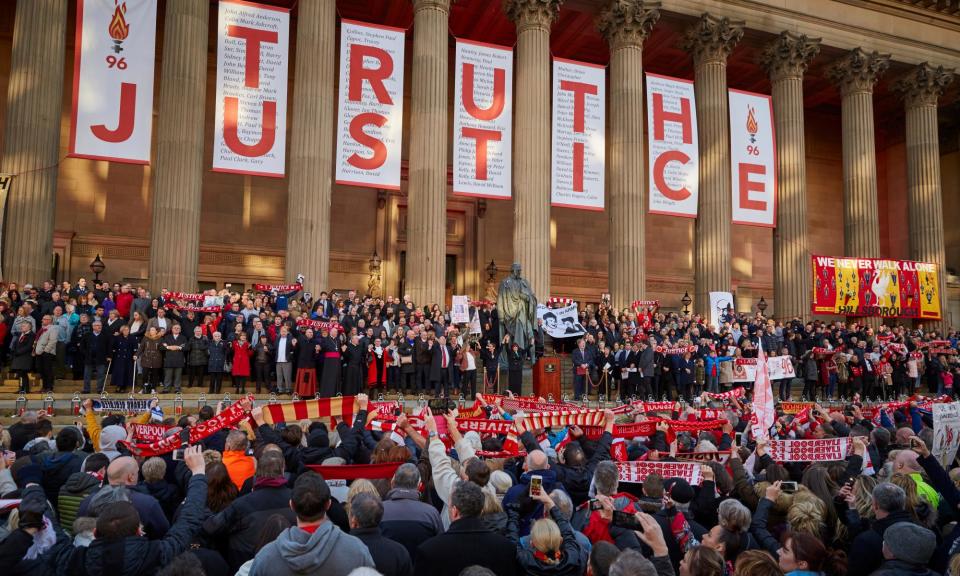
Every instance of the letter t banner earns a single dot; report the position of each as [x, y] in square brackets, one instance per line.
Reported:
[579, 137]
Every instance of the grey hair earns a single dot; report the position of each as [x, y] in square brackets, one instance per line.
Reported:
[632, 563]
[107, 496]
[366, 509]
[563, 503]
[467, 497]
[734, 516]
[606, 478]
[889, 497]
[364, 571]
[407, 476]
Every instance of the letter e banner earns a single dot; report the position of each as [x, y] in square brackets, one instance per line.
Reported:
[674, 158]
[753, 158]
[250, 129]
[112, 115]
[370, 119]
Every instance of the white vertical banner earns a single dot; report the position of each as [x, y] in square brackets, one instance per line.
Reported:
[250, 128]
[578, 149]
[112, 116]
[483, 120]
[674, 158]
[370, 112]
[764, 413]
[753, 158]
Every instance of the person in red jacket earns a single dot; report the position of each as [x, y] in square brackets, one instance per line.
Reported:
[378, 360]
[242, 352]
[124, 301]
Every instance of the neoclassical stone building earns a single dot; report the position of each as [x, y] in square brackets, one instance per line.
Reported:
[867, 126]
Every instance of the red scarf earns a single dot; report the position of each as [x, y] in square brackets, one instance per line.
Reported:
[228, 418]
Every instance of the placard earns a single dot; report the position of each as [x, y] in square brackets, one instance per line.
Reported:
[875, 287]
[946, 432]
[672, 146]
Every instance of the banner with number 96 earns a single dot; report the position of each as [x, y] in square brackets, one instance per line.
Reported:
[113, 80]
[753, 158]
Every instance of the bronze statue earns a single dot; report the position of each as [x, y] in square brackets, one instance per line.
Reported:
[517, 307]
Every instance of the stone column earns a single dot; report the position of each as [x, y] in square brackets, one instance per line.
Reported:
[427, 201]
[32, 138]
[855, 74]
[710, 41]
[178, 184]
[921, 90]
[625, 25]
[311, 146]
[531, 139]
[786, 59]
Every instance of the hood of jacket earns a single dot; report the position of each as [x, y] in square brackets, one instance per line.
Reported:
[305, 552]
[131, 555]
[79, 484]
[50, 463]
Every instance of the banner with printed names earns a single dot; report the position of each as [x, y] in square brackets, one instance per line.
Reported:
[250, 126]
[483, 120]
[460, 311]
[673, 155]
[578, 135]
[778, 367]
[112, 115]
[753, 158]
[370, 110]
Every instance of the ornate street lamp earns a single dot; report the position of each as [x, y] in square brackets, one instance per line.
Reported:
[97, 267]
[686, 300]
[762, 305]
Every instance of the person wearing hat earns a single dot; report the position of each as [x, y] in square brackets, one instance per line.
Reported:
[907, 549]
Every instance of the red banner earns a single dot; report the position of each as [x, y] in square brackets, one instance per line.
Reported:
[875, 287]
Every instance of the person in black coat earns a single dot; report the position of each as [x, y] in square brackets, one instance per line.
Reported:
[566, 560]
[515, 368]
[21, 347]
[390, 557]
[354, 359]
[123, 350]
[330, 370]
[467, 542]
[441, 366]
[60, 465]
[95, 348]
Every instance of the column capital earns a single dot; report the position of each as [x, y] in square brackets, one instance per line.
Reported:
[532, 13]
[628, 22]
[858, 71]
[789, 55]
[712, 39]
[924, 85]
[442, 5]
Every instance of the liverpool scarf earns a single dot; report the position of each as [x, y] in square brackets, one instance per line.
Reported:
[356, 471]
[737, 392]
[318, 324]
[227, 418]
[637, 471]
[326, 410]
[278, 287]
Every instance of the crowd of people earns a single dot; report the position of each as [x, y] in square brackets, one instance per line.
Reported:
[284, 341]
[472, 489]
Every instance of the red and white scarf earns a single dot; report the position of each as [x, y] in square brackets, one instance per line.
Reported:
[227, 418]
[637, 471]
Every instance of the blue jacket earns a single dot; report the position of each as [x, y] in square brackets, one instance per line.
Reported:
[710, 363]
[520, 493]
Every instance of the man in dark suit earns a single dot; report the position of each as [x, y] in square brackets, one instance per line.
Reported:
[467, 542]
[646, 366]
[95, 347]
[441, 366]
[423, 356]
[324, 307]
[582, 360]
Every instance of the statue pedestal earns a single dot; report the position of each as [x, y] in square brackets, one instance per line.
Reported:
[546, 377]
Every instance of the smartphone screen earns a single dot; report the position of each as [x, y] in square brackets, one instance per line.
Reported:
[536, 485]
[595, 505]
[625, 520]
[788, 486]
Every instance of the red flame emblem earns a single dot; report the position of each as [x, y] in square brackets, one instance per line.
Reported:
[118, 24]
[752, 126]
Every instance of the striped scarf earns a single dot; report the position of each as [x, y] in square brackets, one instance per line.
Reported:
[326, 410]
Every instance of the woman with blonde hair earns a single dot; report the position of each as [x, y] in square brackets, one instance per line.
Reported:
[553, 547]
[807, 515]
[919, 509]
[757, 563]
[360, 486]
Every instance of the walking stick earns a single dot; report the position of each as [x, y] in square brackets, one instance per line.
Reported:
[107, 375]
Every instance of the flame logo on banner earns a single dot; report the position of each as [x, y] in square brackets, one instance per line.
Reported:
[752, 125]
[119, 29]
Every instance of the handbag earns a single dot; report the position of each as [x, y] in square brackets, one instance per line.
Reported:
[581, 371]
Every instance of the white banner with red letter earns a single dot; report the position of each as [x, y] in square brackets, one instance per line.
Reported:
[483, 120]
[370, 113]
[753, 158]
[674, 158]
[764, 413]
[250, 128]
[578, 135]
[112, 115]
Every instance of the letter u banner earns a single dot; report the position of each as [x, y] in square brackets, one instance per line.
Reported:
[482, 120]
[113, 80]
[370, 119]
[250, 128]
[672, 138]
[875, 287]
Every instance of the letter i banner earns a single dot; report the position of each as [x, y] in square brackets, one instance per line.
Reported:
[253, 42]
[578, 143]
[483, 120]
[672, 145]
[370, 113]
[753, 158]
[113, 66]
